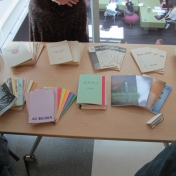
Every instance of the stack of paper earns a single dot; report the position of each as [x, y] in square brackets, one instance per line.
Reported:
[65, 52]
[18, 87]
[144, 91]
[107, 56]
[21, 54]
[92, 92]
[48, 104]
[150, 59]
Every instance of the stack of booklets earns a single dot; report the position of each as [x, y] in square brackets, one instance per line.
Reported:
[92, 92]
[65, 52]
[12, 93]
[18, 87]
[107, 57]
[150, 59]
[144, 91]
[20, 54]
[48, 104]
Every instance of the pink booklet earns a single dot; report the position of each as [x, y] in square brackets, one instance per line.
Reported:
[41, 106]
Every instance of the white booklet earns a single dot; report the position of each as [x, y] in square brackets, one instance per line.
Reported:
[16, 54]
[59, 52]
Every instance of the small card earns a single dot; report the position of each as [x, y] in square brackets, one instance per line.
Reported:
[156, 120]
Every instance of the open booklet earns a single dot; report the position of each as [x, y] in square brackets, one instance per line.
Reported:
[20, 54]
[65, 52]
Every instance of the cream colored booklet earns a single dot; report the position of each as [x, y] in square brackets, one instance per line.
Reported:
[162, 58]
[59, 52]
[145, 60]
[16, 54]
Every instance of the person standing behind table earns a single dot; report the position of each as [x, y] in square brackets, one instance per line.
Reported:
[51, 22]
[171, 15]
[128, 10]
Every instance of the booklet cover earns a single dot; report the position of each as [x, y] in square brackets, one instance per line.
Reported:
[145, 60]
[102, 57]
[7, 99]
[155, 91]
[124, 90]
[59, 52]
[143, 87]
[16, 54]
[162, 98]
[92, 90]
[41, 106]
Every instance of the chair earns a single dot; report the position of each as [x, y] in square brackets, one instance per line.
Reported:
[110, 12]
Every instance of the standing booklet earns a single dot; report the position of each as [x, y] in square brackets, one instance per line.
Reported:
[92, 92]
[124, 90]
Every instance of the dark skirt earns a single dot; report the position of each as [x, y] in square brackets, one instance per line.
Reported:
[50, 22]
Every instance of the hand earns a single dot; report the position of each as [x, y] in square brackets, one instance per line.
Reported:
[67, 2]
[72, 2]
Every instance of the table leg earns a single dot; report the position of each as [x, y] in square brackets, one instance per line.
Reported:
[31, 157]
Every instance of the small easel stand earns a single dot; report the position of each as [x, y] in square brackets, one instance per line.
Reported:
[153, 122]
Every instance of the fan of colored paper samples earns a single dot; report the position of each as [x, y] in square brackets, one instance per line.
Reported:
[48, 104]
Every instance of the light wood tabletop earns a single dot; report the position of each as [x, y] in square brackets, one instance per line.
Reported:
[115, 123]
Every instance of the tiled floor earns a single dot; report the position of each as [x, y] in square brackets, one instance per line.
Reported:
[121, 158]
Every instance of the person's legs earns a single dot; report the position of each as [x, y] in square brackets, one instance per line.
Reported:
[127, 12]
[167, 23]
[164, 164]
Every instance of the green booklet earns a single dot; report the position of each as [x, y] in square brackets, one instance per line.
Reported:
[92, 90]
[124, 90]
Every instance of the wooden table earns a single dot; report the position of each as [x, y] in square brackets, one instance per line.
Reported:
[114, 123]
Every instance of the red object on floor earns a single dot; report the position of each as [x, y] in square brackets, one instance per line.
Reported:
[131, 19]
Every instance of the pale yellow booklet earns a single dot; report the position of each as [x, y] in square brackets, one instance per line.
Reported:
[76, 49]
[145, 60]
[16, 54]
[59, 52]
[162, 58]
